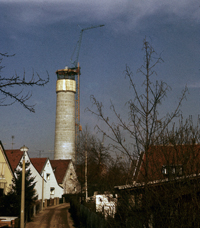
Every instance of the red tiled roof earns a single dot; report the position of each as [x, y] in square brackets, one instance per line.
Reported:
[14, 157]
[150, 167]
[60, 167]
[38, 163]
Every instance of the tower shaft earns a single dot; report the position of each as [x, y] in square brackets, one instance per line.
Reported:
[65, 118]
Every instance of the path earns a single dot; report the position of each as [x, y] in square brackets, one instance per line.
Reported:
[53, 217]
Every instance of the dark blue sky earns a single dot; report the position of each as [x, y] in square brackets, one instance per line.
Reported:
[43, 35]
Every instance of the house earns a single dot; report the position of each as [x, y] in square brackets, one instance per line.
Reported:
[15, 157]
[66, 176]
[6, 172]
[166, 188]
[51, 187]
[59, 175]
[168, 162]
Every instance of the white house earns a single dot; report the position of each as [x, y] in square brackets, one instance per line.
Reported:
[59, 175]
[66, 176]
[6, 172]
[17, 156]
[51, 187]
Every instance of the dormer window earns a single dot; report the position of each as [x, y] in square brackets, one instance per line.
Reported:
[179, 170]
[174, 170]
[164, 170]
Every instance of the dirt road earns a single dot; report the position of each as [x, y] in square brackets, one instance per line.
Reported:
[53, 217]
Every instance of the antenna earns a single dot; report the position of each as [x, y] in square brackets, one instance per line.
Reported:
[12, 141]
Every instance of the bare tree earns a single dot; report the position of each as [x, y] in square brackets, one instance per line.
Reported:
[98, 161]
[143, 129]
[142, 126]
[8, 86]
[169, 194]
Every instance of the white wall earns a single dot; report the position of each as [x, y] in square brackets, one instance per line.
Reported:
[51, 182]
[71, 184]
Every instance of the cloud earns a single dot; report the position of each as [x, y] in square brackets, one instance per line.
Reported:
[118, 14]
[194, 85]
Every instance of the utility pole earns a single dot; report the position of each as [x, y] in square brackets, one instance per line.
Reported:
[12, 141]
[42, 190]
[86, 187]
[24, 149]
[22, 194]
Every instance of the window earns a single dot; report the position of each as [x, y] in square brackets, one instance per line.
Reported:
[52, 191]
[2, 169]
[179, 170]
[48, 176]
[175, 170]
[71, 176]
[164, 170]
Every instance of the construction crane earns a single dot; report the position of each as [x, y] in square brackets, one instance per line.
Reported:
[73, 72]
[78, 45]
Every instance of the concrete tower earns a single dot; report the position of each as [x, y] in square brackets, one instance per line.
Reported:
[65, 114]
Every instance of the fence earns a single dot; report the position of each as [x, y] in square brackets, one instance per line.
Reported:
[84, 217]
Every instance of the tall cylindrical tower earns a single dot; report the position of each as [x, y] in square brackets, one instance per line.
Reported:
[64, 147]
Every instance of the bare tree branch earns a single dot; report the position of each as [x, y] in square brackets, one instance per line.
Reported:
[9, 84]
[142, 126]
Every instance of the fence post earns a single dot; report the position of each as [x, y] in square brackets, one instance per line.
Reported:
[45, 203]
[54, 201]
[34, 210]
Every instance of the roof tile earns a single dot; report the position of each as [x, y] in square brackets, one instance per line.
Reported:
[187, 156]
[14, 157]
[60, 167]
[38, 163]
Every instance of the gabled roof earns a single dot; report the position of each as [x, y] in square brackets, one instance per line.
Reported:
[60, 168]
[150, 165]
[6, 157]
[14, 157]
[39, 163]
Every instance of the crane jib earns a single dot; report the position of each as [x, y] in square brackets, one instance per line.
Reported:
[78, 45]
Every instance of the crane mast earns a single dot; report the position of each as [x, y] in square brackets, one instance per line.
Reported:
[73, 72]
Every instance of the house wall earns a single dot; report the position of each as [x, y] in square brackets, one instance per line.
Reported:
[71, 184]
[51, 183]
[6, 174]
